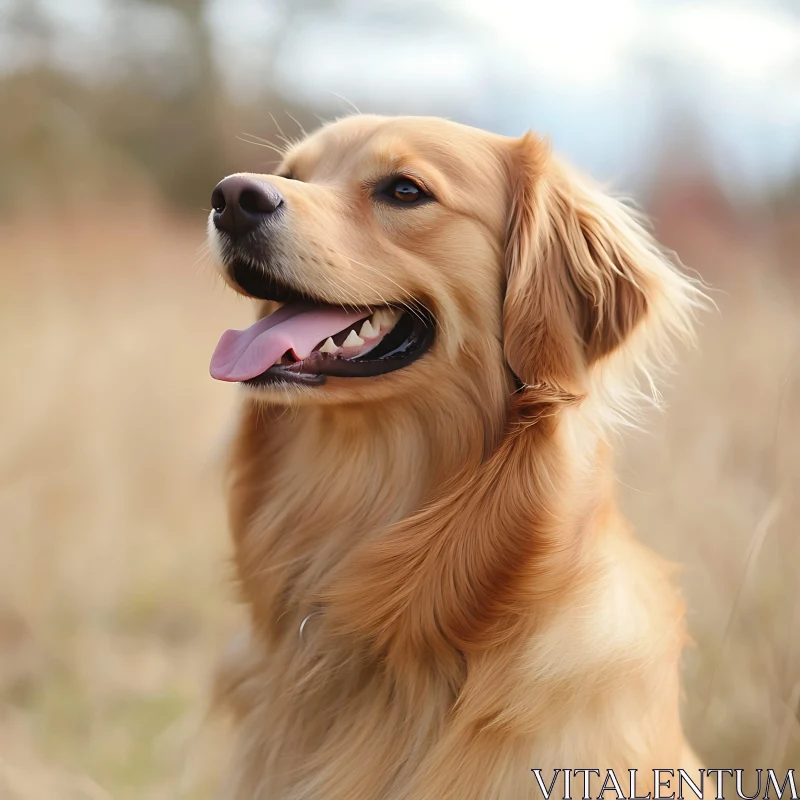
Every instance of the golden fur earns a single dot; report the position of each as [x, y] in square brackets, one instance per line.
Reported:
[483, 609]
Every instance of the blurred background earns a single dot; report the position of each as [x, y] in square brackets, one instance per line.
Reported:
[117, 118]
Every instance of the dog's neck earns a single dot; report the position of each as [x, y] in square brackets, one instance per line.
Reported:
[311, 484]
[341, 507]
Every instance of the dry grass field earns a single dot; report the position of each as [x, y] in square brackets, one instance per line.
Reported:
[115, 591]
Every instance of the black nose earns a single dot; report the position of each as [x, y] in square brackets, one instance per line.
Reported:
[241, 204]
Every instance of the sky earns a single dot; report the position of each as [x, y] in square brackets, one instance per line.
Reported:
[606, 80]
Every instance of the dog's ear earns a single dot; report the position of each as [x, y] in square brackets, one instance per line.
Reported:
[582, 273]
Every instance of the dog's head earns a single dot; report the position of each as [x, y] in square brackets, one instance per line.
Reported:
[394, 254]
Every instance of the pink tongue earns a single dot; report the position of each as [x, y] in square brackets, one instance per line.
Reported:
[241, 355]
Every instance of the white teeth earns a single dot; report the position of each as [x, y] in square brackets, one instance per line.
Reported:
[367, 331]
[352, 340]
[385, 318]
[328, 346]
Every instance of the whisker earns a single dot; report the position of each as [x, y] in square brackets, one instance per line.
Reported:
[354, 300]
[203, 254]
[302, 129]
[349, 102]
[287, 141]
[337, 288]
[258, 142]
[372, 289]
[277, 125]
[405, 291]
[259, 139]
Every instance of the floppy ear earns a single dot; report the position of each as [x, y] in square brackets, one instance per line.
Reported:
[582, 274]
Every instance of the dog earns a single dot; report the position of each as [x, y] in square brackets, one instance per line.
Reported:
[441, 594]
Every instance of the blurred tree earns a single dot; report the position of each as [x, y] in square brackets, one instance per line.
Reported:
[155, 110]
[30, 27]
[168, 117]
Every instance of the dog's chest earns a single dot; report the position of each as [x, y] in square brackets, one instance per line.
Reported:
[322, 724]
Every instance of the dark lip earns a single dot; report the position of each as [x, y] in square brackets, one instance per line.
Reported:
[260, 284]
[409, 340]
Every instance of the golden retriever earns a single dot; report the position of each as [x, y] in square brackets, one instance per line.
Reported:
[442, 595]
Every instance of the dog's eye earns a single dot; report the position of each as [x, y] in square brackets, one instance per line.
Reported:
[403, 191]
[406, 191]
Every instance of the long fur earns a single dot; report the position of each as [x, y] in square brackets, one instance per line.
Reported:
[479, 608]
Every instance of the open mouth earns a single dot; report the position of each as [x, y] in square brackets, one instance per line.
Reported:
[306, 340]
